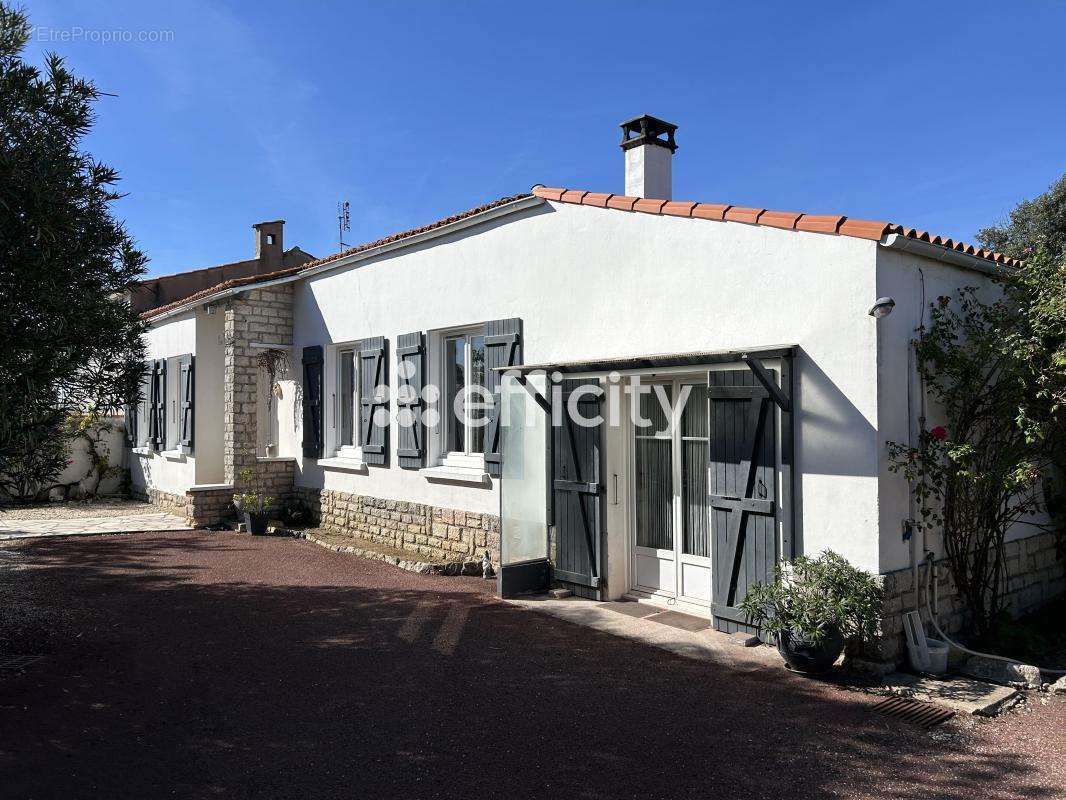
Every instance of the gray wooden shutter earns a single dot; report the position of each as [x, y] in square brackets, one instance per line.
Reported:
[186, 399]
[312, 401]
[503, 348]
[146, 408]
[373, 397]
[410, 433]
[577, 488]
[159, 405]
[741, 479]
[129, 415]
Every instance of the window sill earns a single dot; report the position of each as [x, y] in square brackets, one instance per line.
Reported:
[175, 455]
[342, 464]
[466, 461]
[456, 474]
[275, 458]
[141, 451]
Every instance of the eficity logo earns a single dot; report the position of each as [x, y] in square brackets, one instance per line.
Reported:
[652, 406]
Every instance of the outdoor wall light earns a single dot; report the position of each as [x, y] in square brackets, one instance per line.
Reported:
[882, 307]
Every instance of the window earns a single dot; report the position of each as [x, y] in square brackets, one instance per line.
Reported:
[346, 401]
[464, 395]
[270, 238]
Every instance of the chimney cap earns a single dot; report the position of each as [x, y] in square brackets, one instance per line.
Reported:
[269, 222]
[647, 129]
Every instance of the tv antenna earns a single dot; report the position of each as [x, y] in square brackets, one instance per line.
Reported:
[344, 221]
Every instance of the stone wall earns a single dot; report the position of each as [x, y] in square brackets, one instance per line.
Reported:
[436, 534]
[276, 477]
[209, 506]
[166, 502]
[1034, 576]
[200, 507]
[262, 316]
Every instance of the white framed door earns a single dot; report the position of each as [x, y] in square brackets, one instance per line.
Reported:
[671, 536]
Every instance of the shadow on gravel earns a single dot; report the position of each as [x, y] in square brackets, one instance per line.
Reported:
[230, 666]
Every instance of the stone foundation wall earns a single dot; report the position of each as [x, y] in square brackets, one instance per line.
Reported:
[209, 506]
[276, 478]
[1034, 576]
[437, 534]
[167, 502]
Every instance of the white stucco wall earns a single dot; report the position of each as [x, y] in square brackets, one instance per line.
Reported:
[913, 282]
[174, 336]
[591, 283]
[113, 443]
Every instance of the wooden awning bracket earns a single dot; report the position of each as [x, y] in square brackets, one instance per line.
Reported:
[763, 376]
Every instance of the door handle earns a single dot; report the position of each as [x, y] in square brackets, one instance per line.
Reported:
[615, 488]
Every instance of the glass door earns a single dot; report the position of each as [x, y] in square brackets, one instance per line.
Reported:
[654, 567]
[671, 552]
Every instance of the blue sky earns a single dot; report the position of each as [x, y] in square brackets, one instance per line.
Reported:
[940, 115]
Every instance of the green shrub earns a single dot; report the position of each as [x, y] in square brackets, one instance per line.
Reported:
[812, 595]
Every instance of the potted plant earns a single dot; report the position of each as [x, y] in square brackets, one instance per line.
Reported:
[253, 504]
[812, 607]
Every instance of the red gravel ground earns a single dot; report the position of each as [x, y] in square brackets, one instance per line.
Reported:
[219, 665]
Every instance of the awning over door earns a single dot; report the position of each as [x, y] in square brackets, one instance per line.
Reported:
[749, 407]
[657, 361]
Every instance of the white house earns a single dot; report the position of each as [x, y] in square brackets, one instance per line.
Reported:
[760, 319]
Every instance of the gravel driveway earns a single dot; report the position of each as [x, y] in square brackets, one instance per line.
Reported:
[223, 665]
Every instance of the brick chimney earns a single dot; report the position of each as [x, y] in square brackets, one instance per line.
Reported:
[649, 147]
[269, 245]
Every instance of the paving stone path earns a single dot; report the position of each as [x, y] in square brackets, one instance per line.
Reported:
[81, 526]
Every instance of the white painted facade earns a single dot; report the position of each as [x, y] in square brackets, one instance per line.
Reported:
[176, 469]
[592, 283]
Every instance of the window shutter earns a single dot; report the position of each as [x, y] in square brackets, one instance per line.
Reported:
[312, 401]
[146, 407]
[503, 348]
[129, 415]
[373, 398]
[187, 396]
[159, 405]
[411, 433]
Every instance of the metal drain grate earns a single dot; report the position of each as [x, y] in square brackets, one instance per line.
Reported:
[924, 715]
[19, 662]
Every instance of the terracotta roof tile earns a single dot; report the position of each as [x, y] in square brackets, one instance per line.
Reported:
[573, 195]
[596, 199]
[440, 223]
[864, 229]
[792, 220]
[548, 193]
[819, 223]
[780, 219]
[221, 287]
[649, 206]
[679, 208]
[710, 211]
[829, 224]
[622, 202]
[742, 214]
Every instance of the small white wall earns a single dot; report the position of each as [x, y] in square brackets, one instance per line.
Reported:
[113, 444]
[592, 283]
[913, 282]
[282, 424]
[169, 473]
